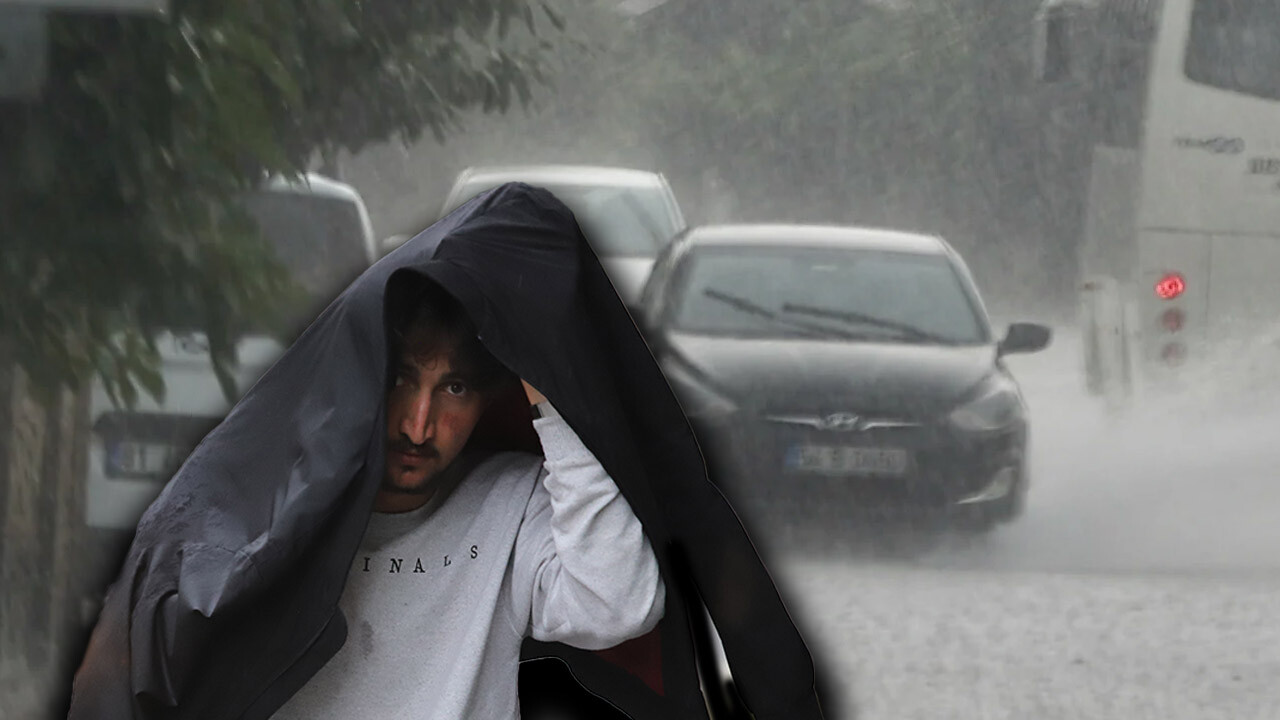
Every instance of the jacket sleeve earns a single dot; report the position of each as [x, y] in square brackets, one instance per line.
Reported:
[584, 572]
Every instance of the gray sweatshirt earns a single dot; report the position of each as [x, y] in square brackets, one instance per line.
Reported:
[439, 599]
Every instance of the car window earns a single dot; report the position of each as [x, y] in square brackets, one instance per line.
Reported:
[916, 291]
[1236, 46]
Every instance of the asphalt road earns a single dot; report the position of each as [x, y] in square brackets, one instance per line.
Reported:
[1142, 582]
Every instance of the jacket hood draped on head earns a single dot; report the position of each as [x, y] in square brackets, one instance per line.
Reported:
[228, 599]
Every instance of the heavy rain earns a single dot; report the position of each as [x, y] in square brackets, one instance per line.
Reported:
[971, 305]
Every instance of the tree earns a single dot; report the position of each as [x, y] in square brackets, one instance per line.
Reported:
[919, 114]
[117, 186]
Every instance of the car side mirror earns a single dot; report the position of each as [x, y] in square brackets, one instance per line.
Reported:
[1025, 338]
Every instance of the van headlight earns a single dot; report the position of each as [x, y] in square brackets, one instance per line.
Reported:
[996, 406]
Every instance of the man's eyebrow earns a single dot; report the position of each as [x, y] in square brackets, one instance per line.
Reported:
[459, 376]
[418, 360]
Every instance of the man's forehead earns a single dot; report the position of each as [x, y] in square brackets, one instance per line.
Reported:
[420, 345]
[429, 359]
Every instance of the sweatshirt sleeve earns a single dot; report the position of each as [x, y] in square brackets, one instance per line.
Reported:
[584, 573]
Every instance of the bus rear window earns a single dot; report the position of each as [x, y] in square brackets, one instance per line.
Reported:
[1235, 45]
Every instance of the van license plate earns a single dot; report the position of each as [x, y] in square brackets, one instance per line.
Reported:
[139, 459]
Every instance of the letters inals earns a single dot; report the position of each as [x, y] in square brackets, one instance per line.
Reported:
[413, 565]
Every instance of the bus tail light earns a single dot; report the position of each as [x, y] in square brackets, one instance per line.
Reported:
[1173, 353]
[1173, 319]
[1171, 286]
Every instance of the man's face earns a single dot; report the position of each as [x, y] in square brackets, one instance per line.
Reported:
[431, 411]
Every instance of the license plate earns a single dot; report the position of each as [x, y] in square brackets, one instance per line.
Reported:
[841, 460]
[138, 458]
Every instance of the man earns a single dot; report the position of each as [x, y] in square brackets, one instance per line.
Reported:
[232, 603]
[468, 553]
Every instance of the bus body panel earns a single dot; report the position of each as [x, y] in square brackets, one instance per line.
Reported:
[1161, 254]
[1244, 295]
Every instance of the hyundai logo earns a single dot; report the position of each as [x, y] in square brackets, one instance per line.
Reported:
[840, 421]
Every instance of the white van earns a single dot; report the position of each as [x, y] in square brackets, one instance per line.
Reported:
[321, 231]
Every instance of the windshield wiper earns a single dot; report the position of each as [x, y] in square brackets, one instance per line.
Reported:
[909, 331]
[751, 308]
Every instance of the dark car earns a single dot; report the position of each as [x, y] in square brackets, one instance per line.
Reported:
[842, 370]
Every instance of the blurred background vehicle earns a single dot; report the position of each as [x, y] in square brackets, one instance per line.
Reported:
[319, 230]
[843, 372]
[628, 215]
[1179, 246]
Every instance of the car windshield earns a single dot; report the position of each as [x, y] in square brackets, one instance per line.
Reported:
[618, 221]
[319, 239]
[858, 294]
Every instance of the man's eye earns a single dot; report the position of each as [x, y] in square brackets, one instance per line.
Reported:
[456, 388]
[406, 374]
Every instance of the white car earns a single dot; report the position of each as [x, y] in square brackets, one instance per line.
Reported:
[628, 215]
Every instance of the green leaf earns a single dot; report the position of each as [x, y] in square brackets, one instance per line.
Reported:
[151, 129]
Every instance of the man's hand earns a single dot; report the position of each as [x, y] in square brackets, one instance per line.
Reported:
[534, 396]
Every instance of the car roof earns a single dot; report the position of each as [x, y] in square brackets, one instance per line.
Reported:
[817, 236]
[596, 175]
[312, 184]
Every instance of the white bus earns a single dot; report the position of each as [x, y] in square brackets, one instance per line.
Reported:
[1181, 247]
[322, 233]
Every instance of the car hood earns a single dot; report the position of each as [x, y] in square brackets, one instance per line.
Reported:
[824, 376]
[628, 275]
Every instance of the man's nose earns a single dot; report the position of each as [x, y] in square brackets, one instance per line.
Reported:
[416, 423]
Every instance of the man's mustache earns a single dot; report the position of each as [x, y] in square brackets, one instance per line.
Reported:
[425, 450]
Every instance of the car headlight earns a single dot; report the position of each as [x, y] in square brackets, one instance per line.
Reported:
[996, 407]
[697, 399]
